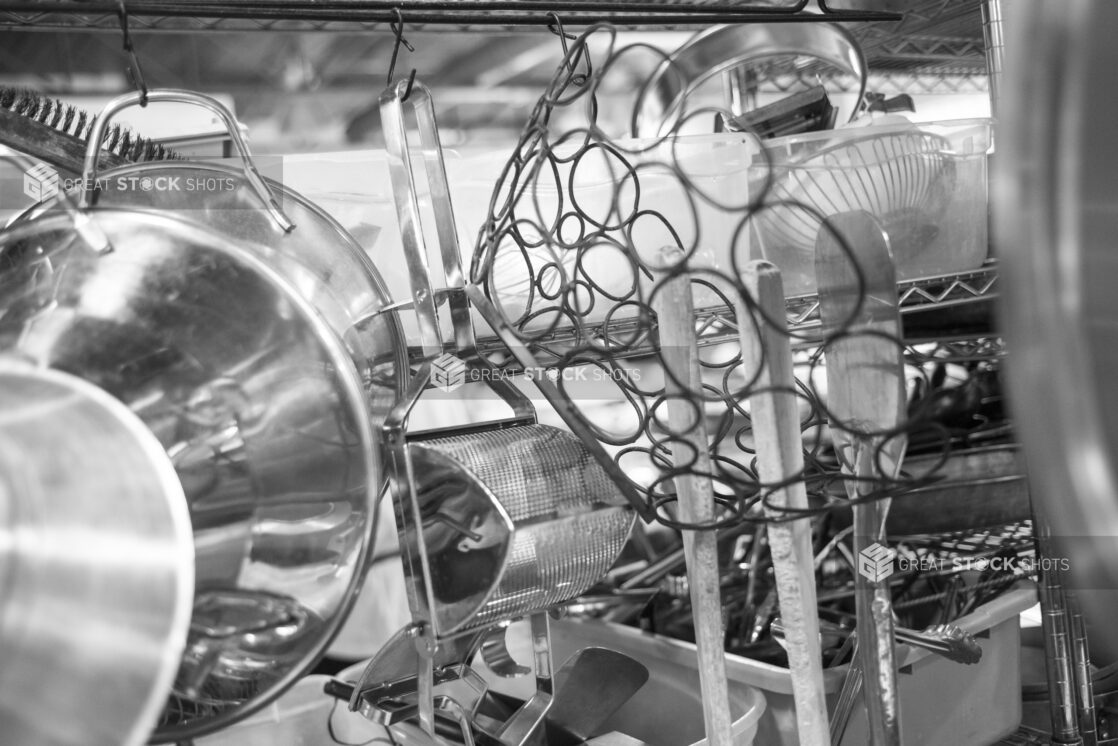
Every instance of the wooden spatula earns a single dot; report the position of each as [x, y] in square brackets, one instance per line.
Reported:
[865, 398]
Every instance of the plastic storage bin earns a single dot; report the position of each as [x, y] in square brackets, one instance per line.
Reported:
[925, 183]
[717, 165]
[666, 711]
[942, 703]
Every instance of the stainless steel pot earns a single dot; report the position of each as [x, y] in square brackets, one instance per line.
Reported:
[296, 237]
[259, 408]
[717, 49]
[96, 565]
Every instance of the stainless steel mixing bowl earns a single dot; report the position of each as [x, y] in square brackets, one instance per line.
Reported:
[259, 407]
[96, 565]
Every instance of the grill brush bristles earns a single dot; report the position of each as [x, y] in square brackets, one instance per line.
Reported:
[56, 133]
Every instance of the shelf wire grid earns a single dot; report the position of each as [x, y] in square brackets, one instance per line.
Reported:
[378, 15]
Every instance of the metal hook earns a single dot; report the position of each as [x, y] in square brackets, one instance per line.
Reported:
[135, 72]
[555, 26]
[397, 27]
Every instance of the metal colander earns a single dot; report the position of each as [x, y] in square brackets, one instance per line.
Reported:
[514, 521]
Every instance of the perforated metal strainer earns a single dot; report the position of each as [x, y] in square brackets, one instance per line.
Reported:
[515, 521]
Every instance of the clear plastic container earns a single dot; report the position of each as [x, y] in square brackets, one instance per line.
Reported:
[703, 219]
[925, 183]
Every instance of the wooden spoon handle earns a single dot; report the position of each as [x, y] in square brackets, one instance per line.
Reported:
[865, 397]
[766, 351]
[674, 307]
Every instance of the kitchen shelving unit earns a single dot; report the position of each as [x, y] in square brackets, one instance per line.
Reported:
[931, 46]
[717, 325]
[374, 15]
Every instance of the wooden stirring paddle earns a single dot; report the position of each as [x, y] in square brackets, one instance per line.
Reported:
[679, 350]
[766, 353]
[865, 398]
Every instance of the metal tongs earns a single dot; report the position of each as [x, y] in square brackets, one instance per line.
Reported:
[948, 640]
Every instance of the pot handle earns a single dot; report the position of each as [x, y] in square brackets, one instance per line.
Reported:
[173, 95]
